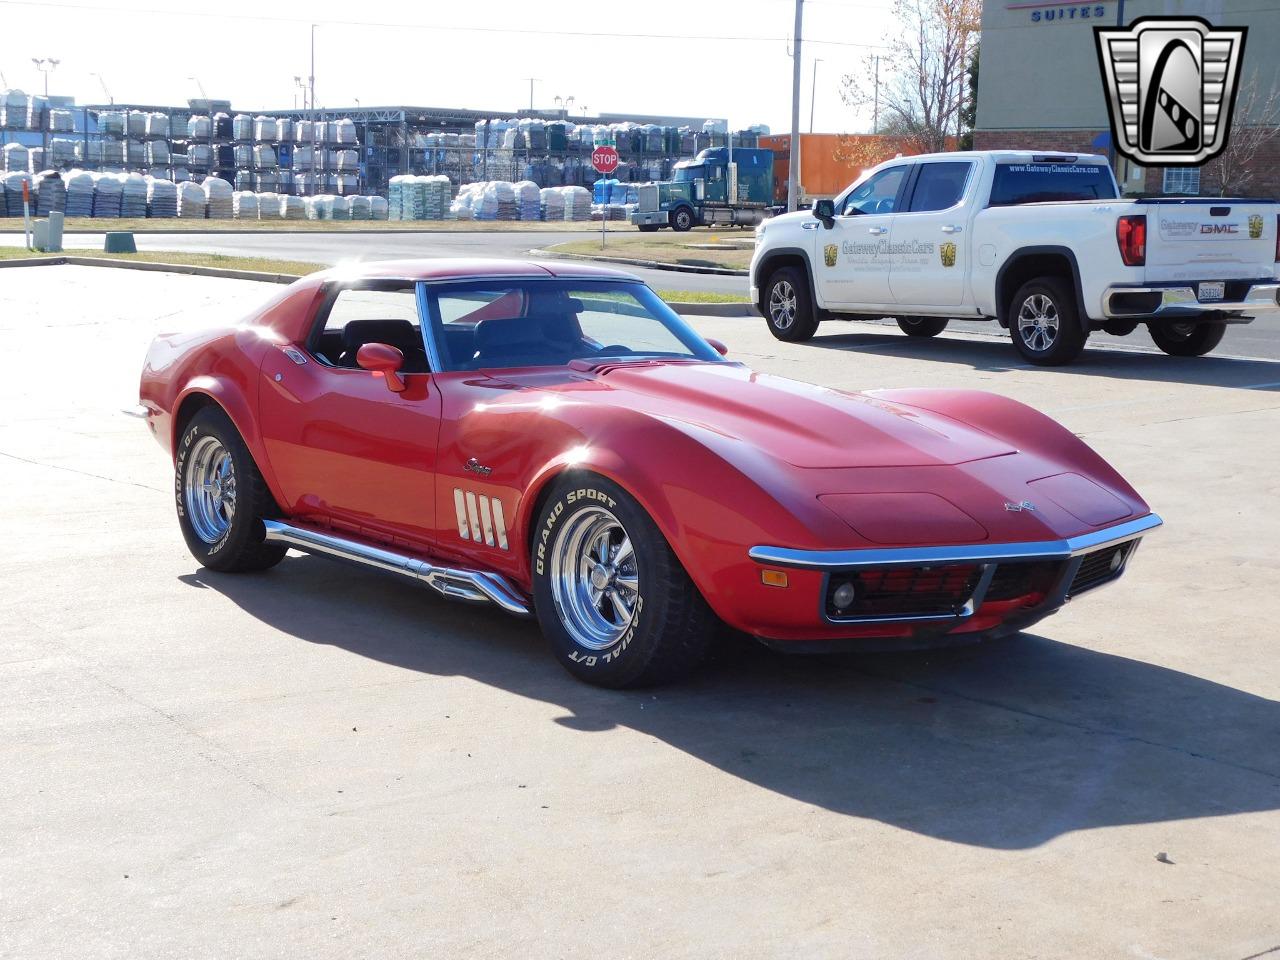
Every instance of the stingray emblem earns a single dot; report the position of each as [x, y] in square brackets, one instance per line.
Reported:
[829, 254]
[1171, 86]
[1020, 507]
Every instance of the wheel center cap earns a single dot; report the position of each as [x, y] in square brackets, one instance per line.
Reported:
[601, 576]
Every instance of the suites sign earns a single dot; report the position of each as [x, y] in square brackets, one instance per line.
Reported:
[1056, 11]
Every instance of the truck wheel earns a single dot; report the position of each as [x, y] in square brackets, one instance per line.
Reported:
[221, 497]
[1120, 328]
[648, 227]
[612, 599]
[682, 220]
[922, 326]
[787, 306]
[1187, 339]
[1044, 322]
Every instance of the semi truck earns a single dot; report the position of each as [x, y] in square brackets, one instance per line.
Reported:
[715, 188]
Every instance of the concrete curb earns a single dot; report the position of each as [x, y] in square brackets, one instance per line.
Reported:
[691, 309]
[647, 264]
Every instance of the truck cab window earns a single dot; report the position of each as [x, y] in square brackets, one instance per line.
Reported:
[877, 195]
[939, 185]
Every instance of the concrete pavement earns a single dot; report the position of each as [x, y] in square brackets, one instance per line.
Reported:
[323, 762]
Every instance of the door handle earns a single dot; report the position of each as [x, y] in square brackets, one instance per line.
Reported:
[877, 231]
[951, 228]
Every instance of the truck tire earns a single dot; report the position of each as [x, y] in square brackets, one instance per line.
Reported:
[787, 306]
[681, 219]
[1187, 339]
[922, 326]
[649, 227]
[1045, 324]
[611, 597]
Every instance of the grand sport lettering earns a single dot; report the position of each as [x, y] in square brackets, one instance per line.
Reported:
[1040, 243]
[638, 490]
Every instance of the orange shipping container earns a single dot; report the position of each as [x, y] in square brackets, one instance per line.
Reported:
[829, 162]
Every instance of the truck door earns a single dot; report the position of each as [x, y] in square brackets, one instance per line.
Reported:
[851, 260]
[930, 247]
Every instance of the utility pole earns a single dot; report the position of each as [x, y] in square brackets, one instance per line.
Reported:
[311, 82]
[875, 110]
[531, 83]
[813, 91]
[793, 171]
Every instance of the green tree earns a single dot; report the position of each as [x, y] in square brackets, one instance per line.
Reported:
[969, 109]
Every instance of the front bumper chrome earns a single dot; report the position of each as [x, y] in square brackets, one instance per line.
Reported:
[1181, 301]
[1072, 554]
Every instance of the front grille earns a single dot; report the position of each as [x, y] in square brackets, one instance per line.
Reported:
[1012, 581]
[905, 591]
[1098, 567]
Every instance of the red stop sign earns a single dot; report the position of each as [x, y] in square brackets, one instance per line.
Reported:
[605, 159]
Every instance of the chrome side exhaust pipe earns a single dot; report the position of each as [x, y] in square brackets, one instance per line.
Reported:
[455, 583]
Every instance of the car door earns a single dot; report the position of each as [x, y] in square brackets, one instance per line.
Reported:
[346, 449]
[851, 258]
[931, 249]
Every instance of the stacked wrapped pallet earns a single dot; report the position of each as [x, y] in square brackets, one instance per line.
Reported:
[528, 200]
[79, 193]
[192, 201]
[133, 195]
[219, 195]
[244, 205]
[51, 193]
[107, 190]
[162, 199]
[292, 208]
[13, 183]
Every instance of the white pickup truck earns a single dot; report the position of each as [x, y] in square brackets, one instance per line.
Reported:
[1041, 243]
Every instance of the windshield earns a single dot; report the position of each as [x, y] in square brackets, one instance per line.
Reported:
[545, 323]
[687, 174]
[1044, 182]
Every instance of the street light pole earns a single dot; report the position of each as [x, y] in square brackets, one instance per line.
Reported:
[531, 80]
[793, 172]
[813, 91]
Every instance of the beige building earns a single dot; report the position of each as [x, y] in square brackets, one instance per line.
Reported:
[1039, 86]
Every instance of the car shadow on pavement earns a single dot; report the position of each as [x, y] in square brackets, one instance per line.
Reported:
[997, 355]
[1003, 745]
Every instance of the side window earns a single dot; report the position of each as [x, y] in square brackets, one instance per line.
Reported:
[877, 195]
[372, 313]
[939, 185]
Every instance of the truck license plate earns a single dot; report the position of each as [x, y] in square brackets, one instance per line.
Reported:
[1212, 291]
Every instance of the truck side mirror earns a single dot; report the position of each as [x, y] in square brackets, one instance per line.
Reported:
[825, 210]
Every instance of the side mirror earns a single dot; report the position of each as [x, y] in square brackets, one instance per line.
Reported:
[825, 210]
[718, 346]
[384, 359]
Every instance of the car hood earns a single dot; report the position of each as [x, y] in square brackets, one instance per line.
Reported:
[804, 425]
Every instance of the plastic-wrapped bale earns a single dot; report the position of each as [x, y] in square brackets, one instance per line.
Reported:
[343, 131]
[107, 191]
[219, 194]
[61, 121]
[114, 123]
[508, 209]
[199, 155]
[415, 199]
[347, 160]
[133, 196]
[63, 151]
[266, 182]
[136, 124]
[198, 128]
[264, 157]
[35, 160]
[13, 109]
[342, 208]
[13, 191]
[79, 193]
[361, 209]
[162, 199]
[303, 131]
[551, 200]
[242, 127]
[135, 153]
[51, 193]
[243, 154]
[302, 157]
[395, 195]
[157, 153]
[158, 126]
[284, 131]
[16, 158]
[243, 180]
[323, 131]
[292, 208]
[265, 129]
[436, 192]
[193, 202]
[268, 205]
[244, 205]
[577, 206]
[346, 184]
[528, 200]
[377, 208]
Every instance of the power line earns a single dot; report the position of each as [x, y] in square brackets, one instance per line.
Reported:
[435, 27]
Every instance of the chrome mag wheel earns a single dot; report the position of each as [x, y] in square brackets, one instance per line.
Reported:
[595, 581]
[782, 305]
[1038, 322]
[209, 489]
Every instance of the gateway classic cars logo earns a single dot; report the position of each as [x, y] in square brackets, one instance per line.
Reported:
[1171, 86]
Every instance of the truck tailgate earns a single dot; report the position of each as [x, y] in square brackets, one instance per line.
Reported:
[1209, 239]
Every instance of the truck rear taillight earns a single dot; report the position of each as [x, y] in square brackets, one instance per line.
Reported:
[1131, 238]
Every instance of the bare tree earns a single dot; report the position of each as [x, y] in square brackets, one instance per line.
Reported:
[923, 94]
[1257, 123]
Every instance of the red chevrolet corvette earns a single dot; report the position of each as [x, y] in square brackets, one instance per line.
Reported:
[555, 440]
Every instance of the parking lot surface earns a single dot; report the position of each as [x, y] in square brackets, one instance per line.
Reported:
[323, 762]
